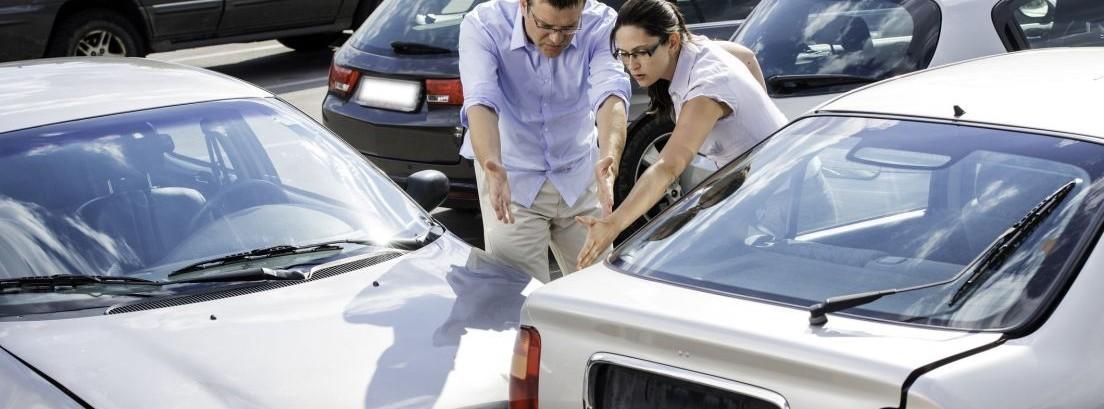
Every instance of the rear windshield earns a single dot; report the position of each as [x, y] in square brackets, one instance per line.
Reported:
[1027, 24]
[833, 206]
[433, 23]
[859, 39]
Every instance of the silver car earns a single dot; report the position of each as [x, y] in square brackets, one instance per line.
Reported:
[812, 51]
[175, 238]
[931, 241]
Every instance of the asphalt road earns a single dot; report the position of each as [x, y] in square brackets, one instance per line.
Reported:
[299, 78]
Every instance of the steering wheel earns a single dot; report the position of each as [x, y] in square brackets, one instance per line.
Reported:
[237, 196]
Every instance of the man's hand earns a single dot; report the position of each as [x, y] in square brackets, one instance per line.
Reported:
[600, 235]
[498, 190]
[604, 176]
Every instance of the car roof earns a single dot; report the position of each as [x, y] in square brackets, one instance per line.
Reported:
[1051, 90]
[41, 92]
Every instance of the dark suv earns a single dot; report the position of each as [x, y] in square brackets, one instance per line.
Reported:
[395, 90]
[133, 28]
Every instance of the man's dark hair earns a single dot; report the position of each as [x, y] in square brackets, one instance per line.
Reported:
[562, 4]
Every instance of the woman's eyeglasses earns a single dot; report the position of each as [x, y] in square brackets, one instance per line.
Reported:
[638, 54]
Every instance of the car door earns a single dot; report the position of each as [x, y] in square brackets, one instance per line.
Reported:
[182, 19]
[244, 16]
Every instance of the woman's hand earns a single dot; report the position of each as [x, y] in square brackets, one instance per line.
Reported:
[600, 235]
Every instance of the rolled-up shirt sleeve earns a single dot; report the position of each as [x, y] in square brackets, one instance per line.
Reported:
[716, 84]
[478, 68]
[607, 74]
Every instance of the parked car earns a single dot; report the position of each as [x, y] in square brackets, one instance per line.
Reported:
[395, 89]
[813, 50]
[935, 251]
[133, 28]
[173, 237]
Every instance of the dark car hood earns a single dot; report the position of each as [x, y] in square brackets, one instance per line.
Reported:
[437, 331]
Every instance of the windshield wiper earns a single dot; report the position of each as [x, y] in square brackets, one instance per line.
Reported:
[991, 257]
[267, 252]
[52, 282]
[246, 274]
[405, 47]
[789, 84]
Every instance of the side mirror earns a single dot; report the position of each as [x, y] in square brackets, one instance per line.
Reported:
[428, 187]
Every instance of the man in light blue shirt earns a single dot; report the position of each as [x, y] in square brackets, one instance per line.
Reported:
[538, 75]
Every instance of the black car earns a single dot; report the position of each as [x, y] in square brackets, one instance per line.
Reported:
[395, 94]
[133, 28]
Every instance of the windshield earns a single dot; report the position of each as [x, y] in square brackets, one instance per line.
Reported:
[434, 23]
[873, 39]
[144, 193]
[835, 206]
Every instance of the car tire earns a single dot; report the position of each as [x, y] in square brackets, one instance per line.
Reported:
[640, 151]
[310, 42]
[96, 32]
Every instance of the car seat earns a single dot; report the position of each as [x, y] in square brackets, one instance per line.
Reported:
[146, 218]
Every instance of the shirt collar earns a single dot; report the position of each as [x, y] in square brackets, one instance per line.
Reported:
[680, 81]
[519, 40]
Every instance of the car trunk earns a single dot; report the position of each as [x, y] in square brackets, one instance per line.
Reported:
[645, 342]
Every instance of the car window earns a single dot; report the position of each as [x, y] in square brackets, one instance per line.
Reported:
[192, 144]
[833, 206]
[1027, 24]
[434, 23]
[298, 162]
[867, 39]
[137, 194]
[857, 191]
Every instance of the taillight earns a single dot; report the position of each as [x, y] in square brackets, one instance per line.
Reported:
[444, 92]
[524, 371]
[343, 80]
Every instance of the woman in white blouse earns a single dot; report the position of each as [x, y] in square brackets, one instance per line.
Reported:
[720, 107]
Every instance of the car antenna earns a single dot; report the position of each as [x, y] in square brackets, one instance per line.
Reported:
[959, 112]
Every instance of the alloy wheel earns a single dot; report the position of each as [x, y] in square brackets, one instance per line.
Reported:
[100, 43]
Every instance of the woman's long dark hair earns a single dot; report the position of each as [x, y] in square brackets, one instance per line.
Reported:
[659, 18]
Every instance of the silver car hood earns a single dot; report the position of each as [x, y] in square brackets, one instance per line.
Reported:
[848, 363]
[437, 331]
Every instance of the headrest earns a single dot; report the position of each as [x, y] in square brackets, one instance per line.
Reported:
[855, 34]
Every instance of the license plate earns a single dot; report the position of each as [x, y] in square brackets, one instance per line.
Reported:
[388, 93]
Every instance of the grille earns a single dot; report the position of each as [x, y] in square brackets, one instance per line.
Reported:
[250, 289]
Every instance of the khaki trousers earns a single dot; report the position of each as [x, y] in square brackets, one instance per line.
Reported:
[548, 223]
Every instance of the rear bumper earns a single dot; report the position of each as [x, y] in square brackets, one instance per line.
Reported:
[401, 150]
[462, 189]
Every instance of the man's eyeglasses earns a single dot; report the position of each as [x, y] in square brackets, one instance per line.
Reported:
[639, 53]
[569, 31]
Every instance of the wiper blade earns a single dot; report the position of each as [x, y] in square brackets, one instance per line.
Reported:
[1011, 239]
[53, 282]
[789, 84]
[263, 253]
[991, 257]
[247, 274]
[404, 47]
